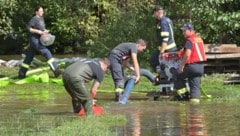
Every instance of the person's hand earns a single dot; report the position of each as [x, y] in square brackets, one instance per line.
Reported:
[180, 69]
[46, 31]
[40, 32]
[137, 79]
[160, 55]
[94, 101]
[131, 68]
[93, 94]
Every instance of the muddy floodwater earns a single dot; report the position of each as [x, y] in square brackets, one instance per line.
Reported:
[27, 111]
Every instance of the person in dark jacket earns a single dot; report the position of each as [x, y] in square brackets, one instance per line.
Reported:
[164, 36]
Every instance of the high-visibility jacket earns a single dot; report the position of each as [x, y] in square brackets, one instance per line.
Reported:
[165, 32]
[197, 52]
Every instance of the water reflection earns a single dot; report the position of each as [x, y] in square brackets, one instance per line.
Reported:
[137, 124]
[168, 122]
[161, 119]
[134, 119]
[149, 118]
[196, 123]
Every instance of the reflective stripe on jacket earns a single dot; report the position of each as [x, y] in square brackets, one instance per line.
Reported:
[198, 52]
[165, 33]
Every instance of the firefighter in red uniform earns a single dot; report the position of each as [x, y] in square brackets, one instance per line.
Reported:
[191, 68]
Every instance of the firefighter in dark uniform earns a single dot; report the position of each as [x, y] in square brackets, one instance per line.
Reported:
[164, 35]
[76, 75]
[192, 65]
[36, 27]
[116, 57]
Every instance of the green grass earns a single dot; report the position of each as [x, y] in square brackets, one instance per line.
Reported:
[90, 126]
[61, 126]
[214, 85]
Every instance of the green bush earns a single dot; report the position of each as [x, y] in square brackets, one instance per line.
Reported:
[96, 26]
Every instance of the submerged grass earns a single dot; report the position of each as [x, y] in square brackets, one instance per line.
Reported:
[90, 126]
[43, 125]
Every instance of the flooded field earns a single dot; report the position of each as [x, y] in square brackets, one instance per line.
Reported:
[26, 111]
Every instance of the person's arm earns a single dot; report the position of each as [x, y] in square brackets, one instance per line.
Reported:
[163, 47]
[95, 86]
[186, 56]
[128, 65]
[136, 66]
[165, 36]
[32, 30]
[188, 50]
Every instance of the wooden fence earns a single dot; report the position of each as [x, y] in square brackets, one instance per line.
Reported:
[222, 58]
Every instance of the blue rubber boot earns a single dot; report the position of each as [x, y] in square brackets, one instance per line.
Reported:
[127, 91]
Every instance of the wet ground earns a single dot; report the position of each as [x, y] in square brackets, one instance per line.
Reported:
[26, 111]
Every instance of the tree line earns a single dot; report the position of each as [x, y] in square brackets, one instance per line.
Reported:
[94, 27]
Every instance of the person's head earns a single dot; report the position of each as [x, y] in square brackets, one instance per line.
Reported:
[141, 45]
[158, 12]
[187, 29]
[39, 11]
[105, 63]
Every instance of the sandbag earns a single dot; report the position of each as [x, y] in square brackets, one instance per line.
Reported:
[47, 39]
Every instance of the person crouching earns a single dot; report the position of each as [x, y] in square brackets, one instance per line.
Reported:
[75, 77]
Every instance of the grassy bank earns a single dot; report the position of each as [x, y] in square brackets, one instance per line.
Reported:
[90, 126]
[61, 126]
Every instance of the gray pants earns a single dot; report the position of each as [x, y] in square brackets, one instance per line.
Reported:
[117, 72]
[81, 96]
[191, 73]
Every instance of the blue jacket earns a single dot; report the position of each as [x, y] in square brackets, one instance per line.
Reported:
[165, 32]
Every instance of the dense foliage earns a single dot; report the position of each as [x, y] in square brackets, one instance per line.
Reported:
[96, 26]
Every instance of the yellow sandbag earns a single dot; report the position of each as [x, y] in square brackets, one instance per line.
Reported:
[57, 81]
[28, 79]
[4, 83]
[44, 77]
